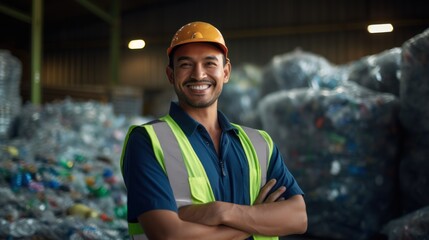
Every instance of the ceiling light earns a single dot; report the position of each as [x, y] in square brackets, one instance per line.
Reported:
[136, 44]
[380, 28]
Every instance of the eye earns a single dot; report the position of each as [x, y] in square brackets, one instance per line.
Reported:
[185, 65]
[211, 64]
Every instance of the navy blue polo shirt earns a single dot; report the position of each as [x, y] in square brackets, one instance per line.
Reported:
[148, 187]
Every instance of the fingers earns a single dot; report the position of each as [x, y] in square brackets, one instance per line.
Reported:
[263, 196]
[275, 196]
[264, 191]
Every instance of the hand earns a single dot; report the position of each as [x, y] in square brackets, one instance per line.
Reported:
[273, 197]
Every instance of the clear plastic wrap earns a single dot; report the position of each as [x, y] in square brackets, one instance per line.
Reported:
[299, 69]
[414, 89]
[414, 117]
[342, 147]
[379, 72]
[414, 169]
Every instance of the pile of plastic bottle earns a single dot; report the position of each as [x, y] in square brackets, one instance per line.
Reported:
[10, 100]
[59, 173]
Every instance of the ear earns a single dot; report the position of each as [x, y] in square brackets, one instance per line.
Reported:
[170, 74]
[227, 71]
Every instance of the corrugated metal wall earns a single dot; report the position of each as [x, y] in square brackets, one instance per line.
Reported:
[76, 68]
[255, 31]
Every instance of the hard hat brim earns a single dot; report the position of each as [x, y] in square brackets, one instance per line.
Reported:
[200, 40]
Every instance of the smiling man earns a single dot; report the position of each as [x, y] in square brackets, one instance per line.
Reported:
[192, 174]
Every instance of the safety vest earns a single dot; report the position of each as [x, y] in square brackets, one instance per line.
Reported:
[185, 172]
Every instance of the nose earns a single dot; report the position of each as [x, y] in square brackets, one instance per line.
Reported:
[198, 72]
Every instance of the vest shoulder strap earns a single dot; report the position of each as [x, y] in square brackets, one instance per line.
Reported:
[172, 160]
[262, 151]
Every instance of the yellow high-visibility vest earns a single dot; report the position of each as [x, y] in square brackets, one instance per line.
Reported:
[185, 172]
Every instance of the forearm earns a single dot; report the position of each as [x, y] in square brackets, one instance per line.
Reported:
[166, 225]
[279, 218]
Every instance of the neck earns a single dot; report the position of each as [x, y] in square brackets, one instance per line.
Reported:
[208, 118]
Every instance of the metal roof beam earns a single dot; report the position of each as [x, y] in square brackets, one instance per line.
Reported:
[36, 52]
[96, 10]
[15, 13]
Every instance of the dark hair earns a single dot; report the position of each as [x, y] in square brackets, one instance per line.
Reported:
[171, 55]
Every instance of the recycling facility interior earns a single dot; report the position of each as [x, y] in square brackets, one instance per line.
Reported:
[77, 51]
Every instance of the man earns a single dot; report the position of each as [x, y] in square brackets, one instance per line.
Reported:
[193, 174]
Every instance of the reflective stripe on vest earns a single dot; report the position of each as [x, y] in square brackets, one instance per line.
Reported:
[190, 183]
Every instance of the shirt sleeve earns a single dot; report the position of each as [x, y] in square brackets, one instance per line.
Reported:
[279, 171]
[147, 184]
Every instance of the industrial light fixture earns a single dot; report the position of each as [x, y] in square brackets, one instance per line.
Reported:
[380, 28]
[136, 44]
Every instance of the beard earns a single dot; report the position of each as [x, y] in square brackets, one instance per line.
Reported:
[199, 103]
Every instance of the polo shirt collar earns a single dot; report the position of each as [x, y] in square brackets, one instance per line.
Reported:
[189, 125]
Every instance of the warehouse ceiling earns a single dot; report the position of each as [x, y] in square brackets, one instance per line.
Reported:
[67, 11]
[58, 15]
[67, 20]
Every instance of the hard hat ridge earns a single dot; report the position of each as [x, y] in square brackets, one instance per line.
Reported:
[198, 32]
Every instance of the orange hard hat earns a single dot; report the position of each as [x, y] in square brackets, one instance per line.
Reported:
[198, 32]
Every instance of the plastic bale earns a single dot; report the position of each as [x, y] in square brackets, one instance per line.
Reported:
[413, 171]
[414, 89]
[414, 116]
[378, 72]
[299, 69]
[342, 146]
[414, 225]
[414, 179]
[240, 96]
[10, 100]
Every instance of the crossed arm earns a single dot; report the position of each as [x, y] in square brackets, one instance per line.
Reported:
[270, 216]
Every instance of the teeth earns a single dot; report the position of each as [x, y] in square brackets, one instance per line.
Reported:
[199, 87]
